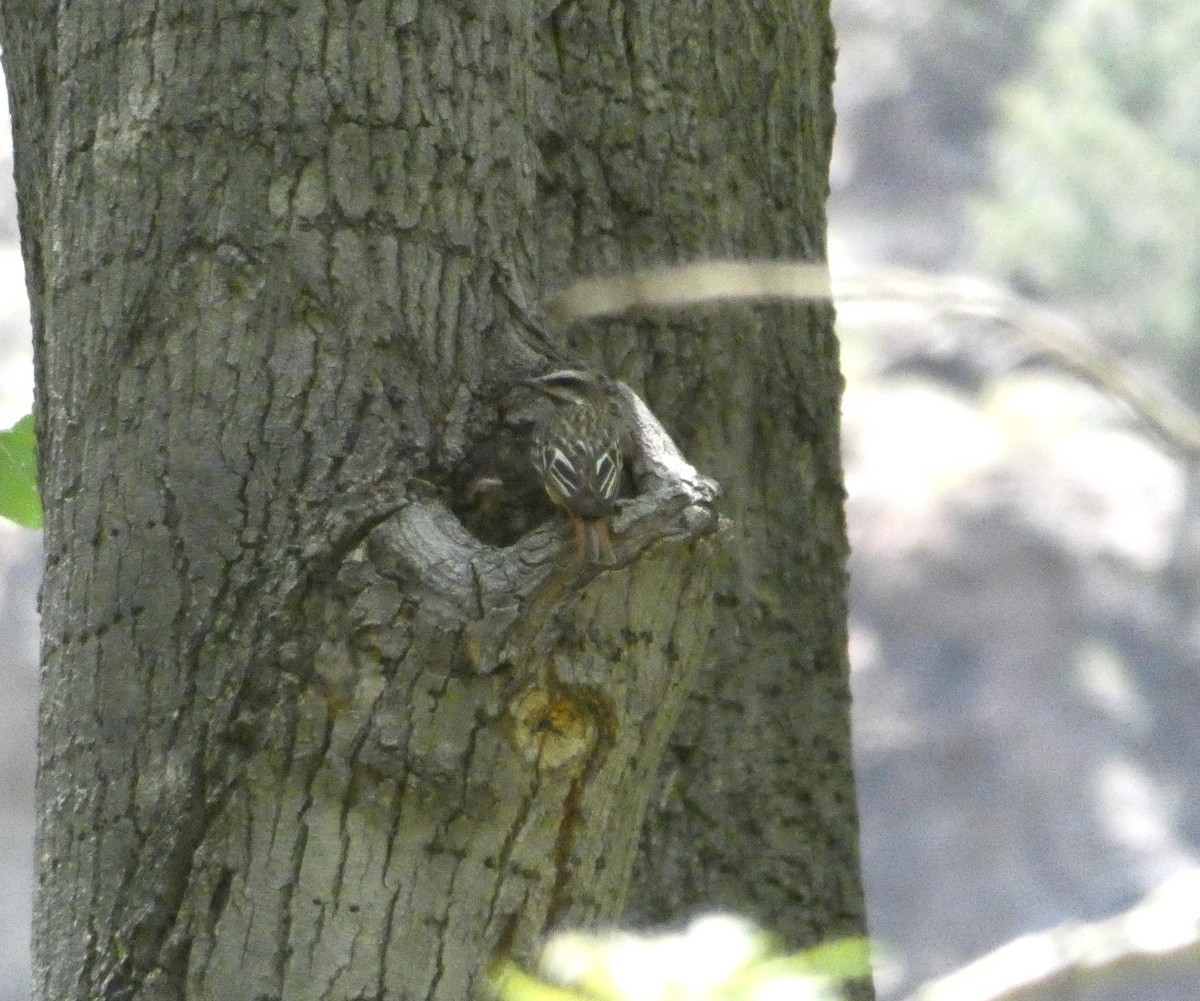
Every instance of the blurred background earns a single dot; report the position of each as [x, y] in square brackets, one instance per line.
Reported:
[1025, 588]
[1024, 572]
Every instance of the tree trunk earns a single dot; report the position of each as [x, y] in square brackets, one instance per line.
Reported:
[328, 707]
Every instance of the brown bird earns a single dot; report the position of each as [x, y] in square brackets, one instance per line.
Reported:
[577, 453]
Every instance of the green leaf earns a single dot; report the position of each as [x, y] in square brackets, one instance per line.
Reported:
[841, 959]
[818, 968]
[510, 983]
[18, 475]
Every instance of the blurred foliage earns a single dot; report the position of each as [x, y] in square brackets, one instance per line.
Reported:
[18, 475]
[963, 48]
[924, 73]
[716, 958]
[1096, 171]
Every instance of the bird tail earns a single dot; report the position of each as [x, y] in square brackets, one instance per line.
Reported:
[595, 541]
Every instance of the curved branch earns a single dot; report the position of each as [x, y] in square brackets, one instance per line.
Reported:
[1043, 333]
[1161, 933]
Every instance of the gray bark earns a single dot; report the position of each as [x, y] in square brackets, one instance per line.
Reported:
[302, 733]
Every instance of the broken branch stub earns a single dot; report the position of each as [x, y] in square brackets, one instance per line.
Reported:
[486, 724]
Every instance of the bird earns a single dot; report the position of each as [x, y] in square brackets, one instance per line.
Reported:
[577, 454]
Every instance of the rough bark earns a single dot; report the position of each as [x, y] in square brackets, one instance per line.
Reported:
[302, 732]
[716, 143]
